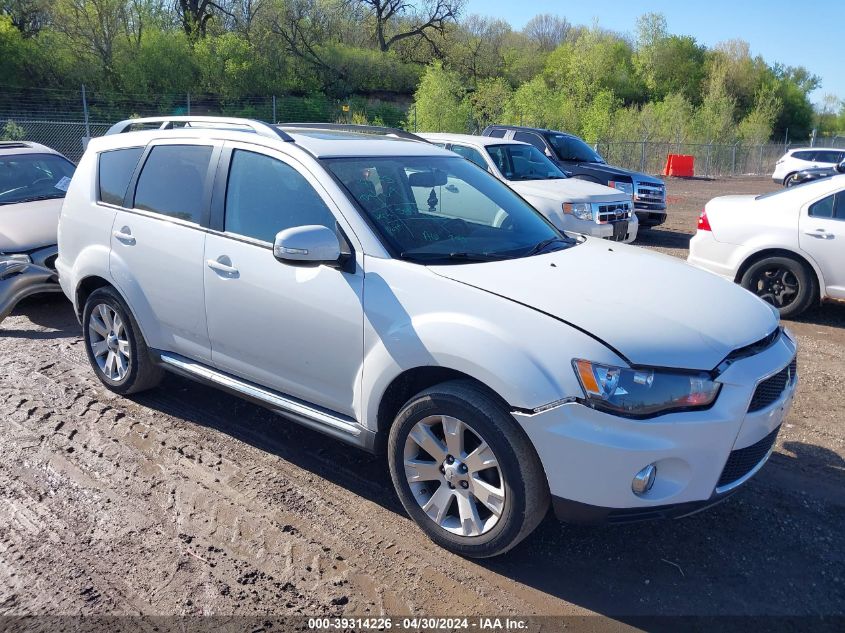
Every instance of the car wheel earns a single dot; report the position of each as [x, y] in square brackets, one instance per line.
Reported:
[116, 349]
[789, 181]
[465, 471]
[784, 282]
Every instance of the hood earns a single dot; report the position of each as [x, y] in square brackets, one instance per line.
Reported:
[29, 225]
[568, 189]
[653, 309]
[611, 171]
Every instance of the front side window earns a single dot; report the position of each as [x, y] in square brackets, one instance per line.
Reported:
[172, 181]
[573, 149]
[265, 196]
[28, 177]
[115, 171]
[470, 154]
[832, 207]
[523, 162]
[434, 208]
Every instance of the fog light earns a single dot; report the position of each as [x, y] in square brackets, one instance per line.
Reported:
[644, 480]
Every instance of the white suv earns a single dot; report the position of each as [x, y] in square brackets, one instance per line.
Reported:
[798, 159]
[573, 205]
[315, 271]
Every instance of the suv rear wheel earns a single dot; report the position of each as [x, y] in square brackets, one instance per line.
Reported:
[465, 471]
[116, 349]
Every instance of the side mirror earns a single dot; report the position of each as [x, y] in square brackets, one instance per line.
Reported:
[841, 167]
[311, 244]
[548, 153]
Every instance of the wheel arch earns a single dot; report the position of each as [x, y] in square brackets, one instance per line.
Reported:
[85, 288]
[411, 382]
[788, 176]
[781, 252]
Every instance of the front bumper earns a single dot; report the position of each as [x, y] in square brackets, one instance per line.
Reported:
[650, 218]
[19, 280]
[591, 457]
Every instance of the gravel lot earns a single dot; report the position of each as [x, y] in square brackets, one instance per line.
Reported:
[185, 500]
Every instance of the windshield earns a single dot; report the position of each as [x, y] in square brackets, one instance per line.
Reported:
[441, 209]
[572, 148]
[25, 177]
[523, 162]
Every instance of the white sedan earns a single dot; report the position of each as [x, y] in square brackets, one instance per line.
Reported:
[787, 247]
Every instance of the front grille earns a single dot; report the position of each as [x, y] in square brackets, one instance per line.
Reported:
[742, 461]
[771, 389]
[613, 211]
[650, 194]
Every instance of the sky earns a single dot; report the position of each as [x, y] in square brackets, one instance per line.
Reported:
[785, 31]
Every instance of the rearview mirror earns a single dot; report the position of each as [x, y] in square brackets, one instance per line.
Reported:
[307, 244]
[428, 179]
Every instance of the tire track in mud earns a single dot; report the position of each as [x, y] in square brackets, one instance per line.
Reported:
[161, 503]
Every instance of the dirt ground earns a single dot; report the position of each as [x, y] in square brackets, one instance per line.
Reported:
[185, 500]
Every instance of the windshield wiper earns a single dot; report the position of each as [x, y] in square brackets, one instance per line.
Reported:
[538, 248]
[467, 257]
[32, 199]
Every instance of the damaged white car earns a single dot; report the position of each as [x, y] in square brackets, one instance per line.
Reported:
[33, 182]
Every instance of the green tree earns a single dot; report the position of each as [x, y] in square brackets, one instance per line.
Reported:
[439, 101]
[488, 102]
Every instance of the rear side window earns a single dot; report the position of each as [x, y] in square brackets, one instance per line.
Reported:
[265, 196]
[470, 154]
[115, 170]
[172, 181]
[832, 207]
[803, 155]
[528, 137]
[497, 133]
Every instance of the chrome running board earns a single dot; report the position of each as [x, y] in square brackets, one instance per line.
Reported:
[343, 428]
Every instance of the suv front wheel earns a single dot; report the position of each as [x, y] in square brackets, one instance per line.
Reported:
[465, 471]
[116, 349]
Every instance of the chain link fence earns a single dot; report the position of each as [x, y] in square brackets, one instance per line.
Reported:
[63, 119]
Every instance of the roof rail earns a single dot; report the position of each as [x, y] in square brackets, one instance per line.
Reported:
[167, 122]
[352, 127]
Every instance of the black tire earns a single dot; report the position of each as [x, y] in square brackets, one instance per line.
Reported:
[789, 181]
[141, 372]
[785, 282]
[520, 474]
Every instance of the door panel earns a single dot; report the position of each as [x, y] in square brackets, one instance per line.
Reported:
[157, 249]
[822, 236]
[157, 264]
[294, 329]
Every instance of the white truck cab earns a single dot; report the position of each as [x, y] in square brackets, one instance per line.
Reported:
[573, 205]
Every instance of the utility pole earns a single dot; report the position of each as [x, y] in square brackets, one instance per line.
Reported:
[85, 113]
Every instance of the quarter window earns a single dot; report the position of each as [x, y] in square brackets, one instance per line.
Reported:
[116, 169]
[832, 207]
[265, 196]
[172, 181]
[470, 154]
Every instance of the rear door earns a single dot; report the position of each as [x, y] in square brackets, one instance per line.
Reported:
[158, 242]
[822, 236]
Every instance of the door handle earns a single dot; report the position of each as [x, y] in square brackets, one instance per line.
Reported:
[821, 234]
[124, 235]
[222, 267]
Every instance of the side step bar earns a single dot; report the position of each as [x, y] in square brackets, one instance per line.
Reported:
[340, 427]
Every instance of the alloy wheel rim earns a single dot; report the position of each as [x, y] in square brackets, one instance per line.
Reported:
[778, 286]
[109, 342]
[454, 475]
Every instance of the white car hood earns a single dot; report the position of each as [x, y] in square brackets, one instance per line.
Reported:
[29, 225]
[569, 189]
[653, 309]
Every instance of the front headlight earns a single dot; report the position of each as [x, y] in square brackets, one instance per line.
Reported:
[581, 210]
[643, 392]
[627, 187]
